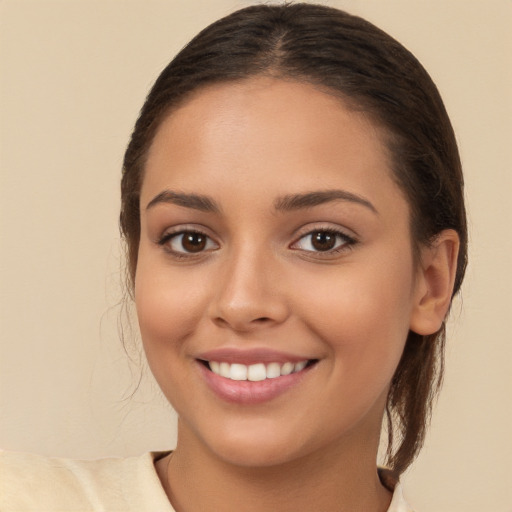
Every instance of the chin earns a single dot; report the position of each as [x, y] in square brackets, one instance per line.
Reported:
[258, 447]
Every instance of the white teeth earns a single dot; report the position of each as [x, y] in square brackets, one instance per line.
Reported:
[224, 370]
[255, 372]
[273, 370]
[287, 368]
[300, 366]
[238, 372]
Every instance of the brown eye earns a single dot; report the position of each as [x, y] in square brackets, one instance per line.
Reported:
[323, 240]
[188, 242]
[193, 242]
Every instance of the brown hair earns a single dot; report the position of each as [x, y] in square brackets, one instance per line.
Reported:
[371, 72]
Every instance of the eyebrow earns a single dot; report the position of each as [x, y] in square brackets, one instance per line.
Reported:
[195, 201]
[285, 203]
[316, 198]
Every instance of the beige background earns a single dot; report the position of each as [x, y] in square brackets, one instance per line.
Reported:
[73, 75]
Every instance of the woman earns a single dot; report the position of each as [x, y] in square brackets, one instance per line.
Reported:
[293, 211]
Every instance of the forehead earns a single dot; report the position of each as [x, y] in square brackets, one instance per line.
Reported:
[262, 132]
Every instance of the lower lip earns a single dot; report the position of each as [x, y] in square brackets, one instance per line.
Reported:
[248, 392]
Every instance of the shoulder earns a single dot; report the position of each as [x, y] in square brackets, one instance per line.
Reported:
[31, 482]
[398, 503]
[391, 482]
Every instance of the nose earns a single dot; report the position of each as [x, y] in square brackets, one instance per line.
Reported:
[249, 294]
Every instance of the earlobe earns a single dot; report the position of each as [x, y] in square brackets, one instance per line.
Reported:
[434, 286]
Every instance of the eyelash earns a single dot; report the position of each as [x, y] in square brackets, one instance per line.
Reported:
[347, 242]
[168, 237]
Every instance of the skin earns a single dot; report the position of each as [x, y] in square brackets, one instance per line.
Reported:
[259, 283]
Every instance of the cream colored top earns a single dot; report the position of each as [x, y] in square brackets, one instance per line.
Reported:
[32, 483]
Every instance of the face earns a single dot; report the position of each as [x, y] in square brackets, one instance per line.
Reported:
[275, 283]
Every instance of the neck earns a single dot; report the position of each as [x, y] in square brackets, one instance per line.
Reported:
[342, 479]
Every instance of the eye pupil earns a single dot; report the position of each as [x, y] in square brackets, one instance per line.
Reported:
[323, 240]
[193, 242]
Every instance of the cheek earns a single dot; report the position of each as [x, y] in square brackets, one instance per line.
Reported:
[169, 308]
[362, 314]
[169, 305]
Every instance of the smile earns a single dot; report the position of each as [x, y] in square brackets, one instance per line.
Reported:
[252, 377]
[255, 372]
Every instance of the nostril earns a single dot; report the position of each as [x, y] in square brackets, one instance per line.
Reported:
[238, 325]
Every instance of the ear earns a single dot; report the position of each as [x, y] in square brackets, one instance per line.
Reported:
[434, 285]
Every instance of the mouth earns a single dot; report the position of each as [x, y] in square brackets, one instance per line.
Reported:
[256, 372]
[253, 376]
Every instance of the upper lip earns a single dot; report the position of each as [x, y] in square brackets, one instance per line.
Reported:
[250, 356]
